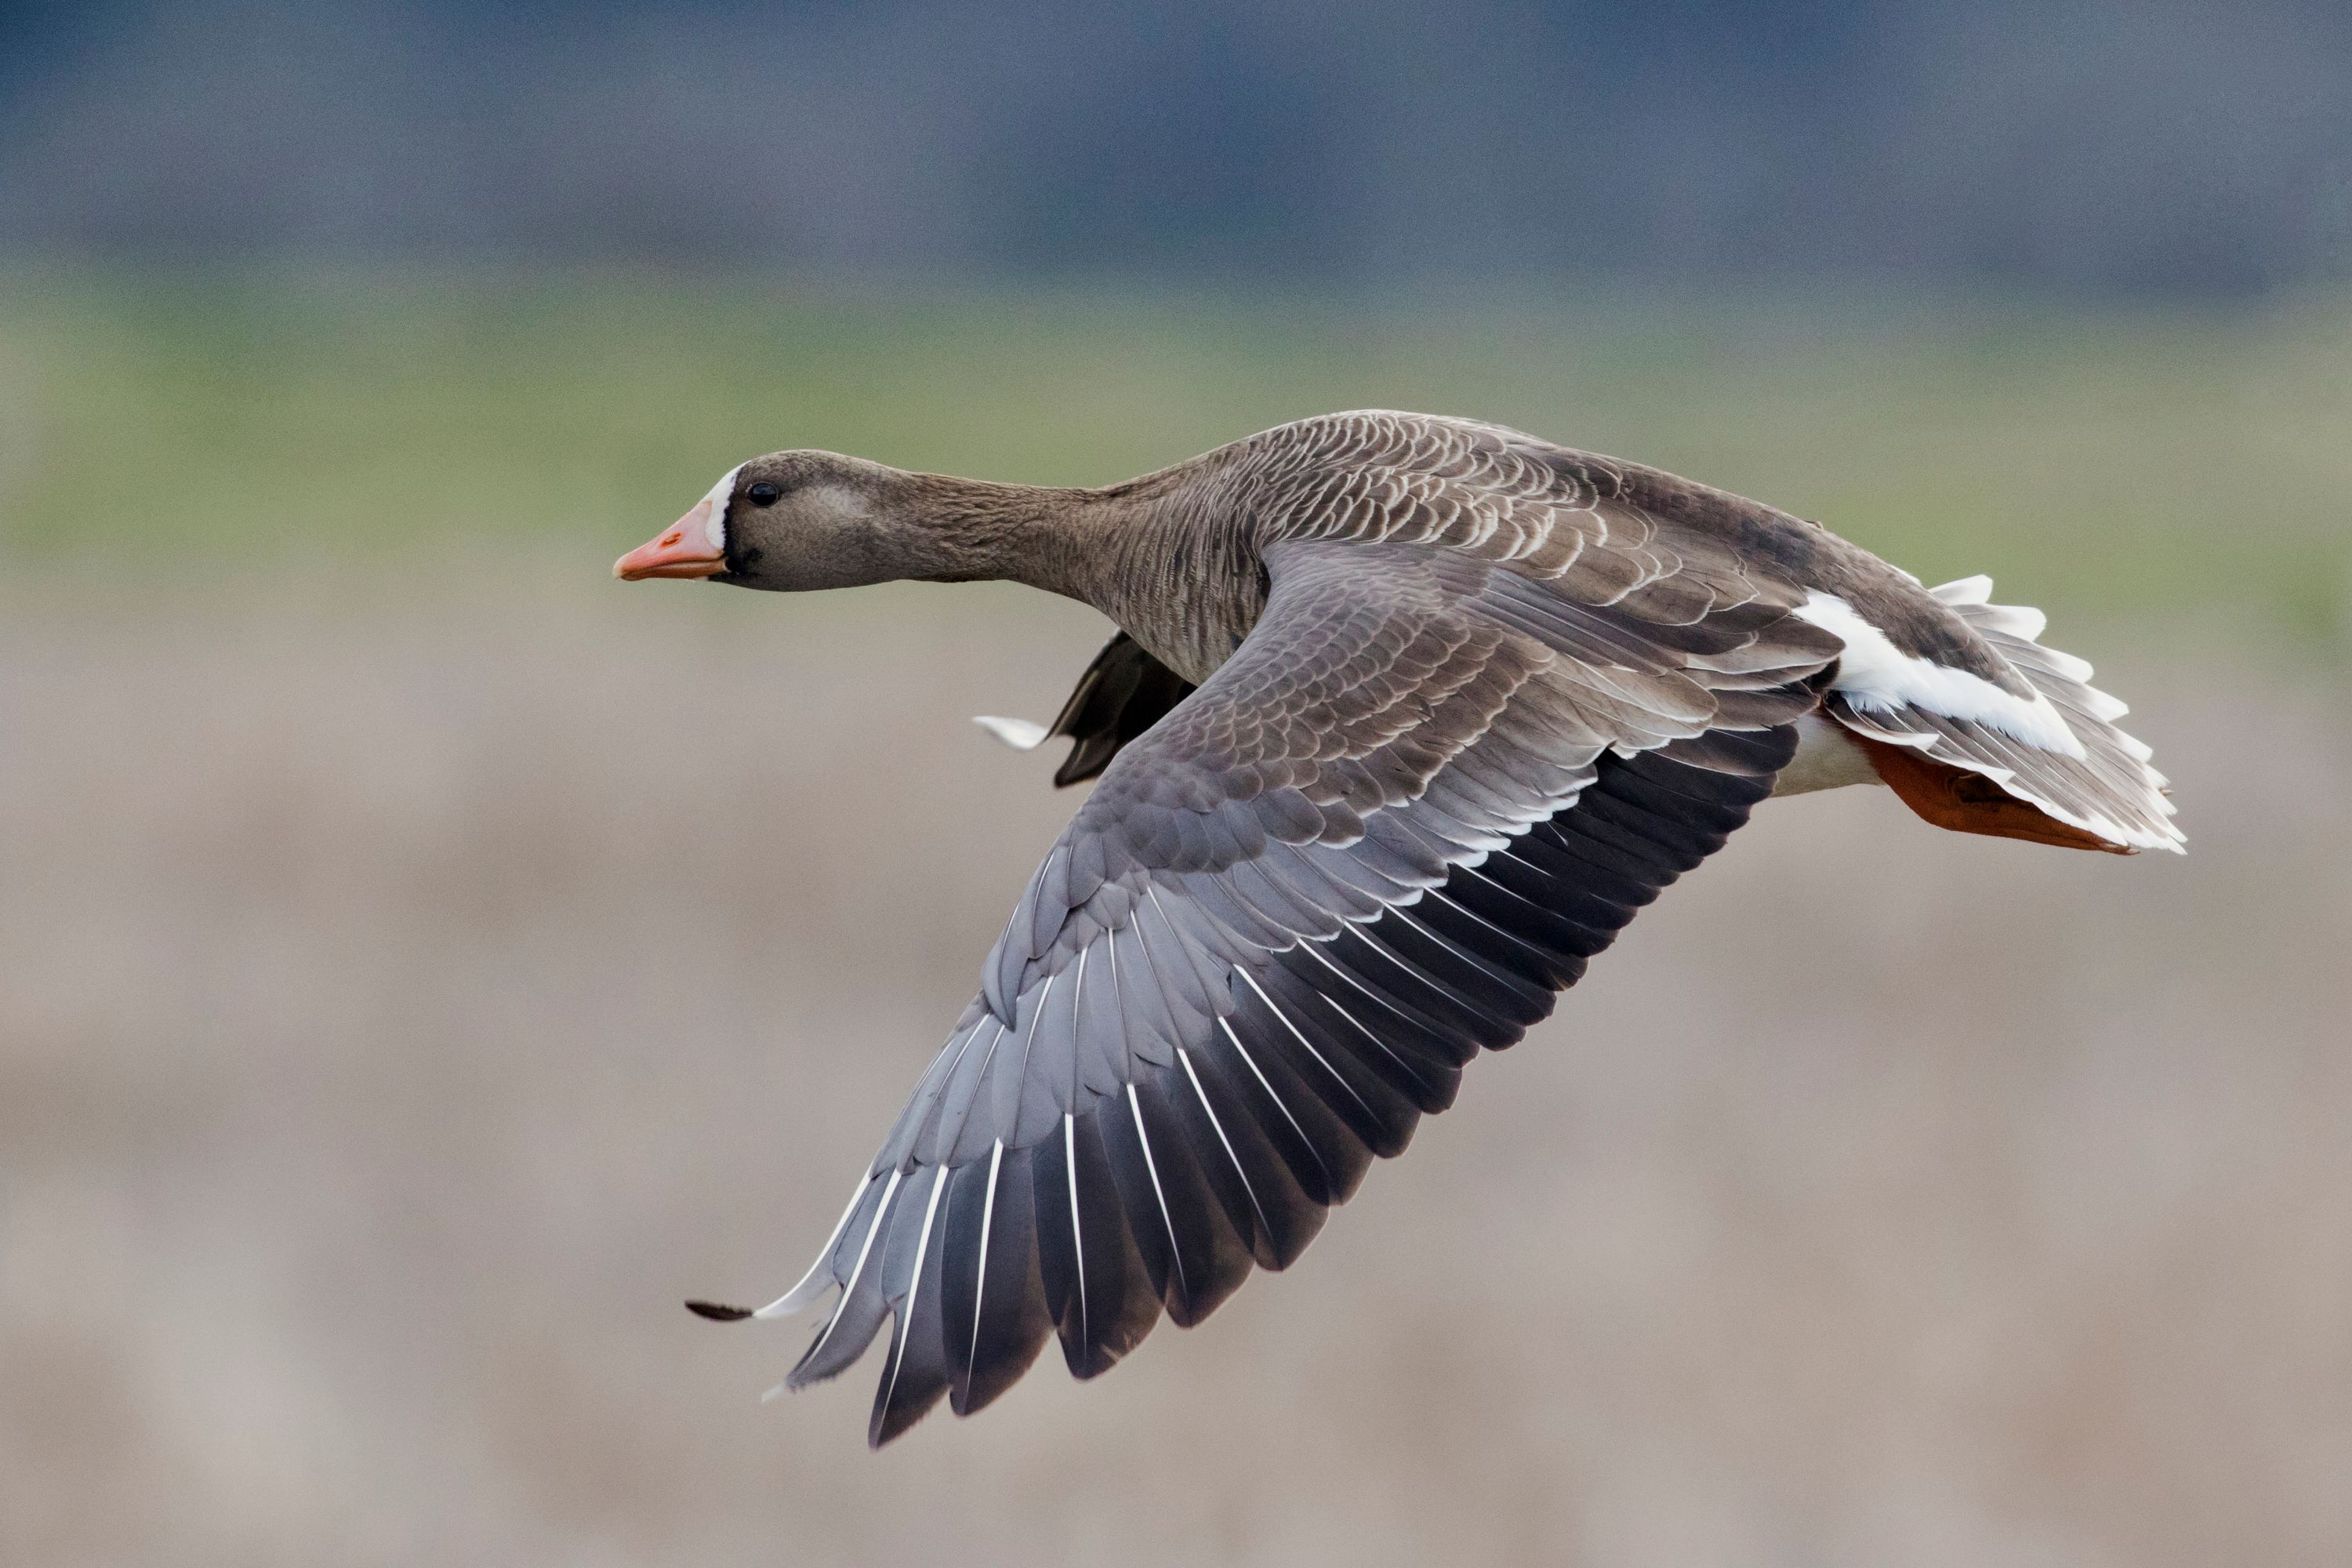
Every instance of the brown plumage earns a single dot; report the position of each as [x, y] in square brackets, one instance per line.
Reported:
[1407, 716]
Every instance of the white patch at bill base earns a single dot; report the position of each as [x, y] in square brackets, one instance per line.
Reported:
[715, 527]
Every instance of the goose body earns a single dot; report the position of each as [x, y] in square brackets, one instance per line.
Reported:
[1405, 717]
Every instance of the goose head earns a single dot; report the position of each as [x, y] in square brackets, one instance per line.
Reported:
[792, 521]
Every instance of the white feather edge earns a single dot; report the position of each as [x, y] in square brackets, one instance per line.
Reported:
[905, 1313]
[1971, 591]
[1880, 665]
[2114, 832]
[2027, 624]
[818, 1280]
[1020, 734]
[1872, 673]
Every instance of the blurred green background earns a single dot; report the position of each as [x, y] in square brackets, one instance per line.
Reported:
[2188, 466]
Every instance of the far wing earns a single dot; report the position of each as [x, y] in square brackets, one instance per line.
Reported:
[1123, 693]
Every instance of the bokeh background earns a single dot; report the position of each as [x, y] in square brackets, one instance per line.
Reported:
[423, 960]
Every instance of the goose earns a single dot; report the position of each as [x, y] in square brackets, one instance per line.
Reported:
[1404, 718]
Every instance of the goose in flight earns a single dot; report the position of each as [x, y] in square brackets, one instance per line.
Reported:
[1405, 717]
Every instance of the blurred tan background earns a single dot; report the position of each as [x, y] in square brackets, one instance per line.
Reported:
[424, 961]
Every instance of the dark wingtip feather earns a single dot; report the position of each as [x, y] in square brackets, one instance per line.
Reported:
[716, 1312]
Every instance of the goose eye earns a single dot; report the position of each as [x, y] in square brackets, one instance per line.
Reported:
[764, 494]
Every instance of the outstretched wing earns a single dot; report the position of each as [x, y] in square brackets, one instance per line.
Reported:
[1422, 793]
